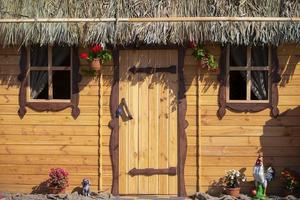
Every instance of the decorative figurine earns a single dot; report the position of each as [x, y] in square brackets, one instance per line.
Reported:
[86, 187]
[261, 178]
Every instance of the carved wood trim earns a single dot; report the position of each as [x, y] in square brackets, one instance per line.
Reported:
[48, 106]
[171, 171]
[182, 124]
[249, 107]
[114, 125]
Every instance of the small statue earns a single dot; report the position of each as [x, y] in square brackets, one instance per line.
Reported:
[261, 178]
[86, 187]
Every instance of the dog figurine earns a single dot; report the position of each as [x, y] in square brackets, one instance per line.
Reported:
[86, 187]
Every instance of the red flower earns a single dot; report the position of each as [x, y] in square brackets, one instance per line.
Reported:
[192, 44]
[97, 48]
[84, 56]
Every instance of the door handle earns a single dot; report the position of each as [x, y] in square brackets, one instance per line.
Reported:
[123, 108]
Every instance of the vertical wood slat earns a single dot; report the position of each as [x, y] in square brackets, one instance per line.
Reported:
[163, 126]
[153, 122]
[133, 128]
[143, 123]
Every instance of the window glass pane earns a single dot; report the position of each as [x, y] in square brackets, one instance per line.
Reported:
[259, 85]
[61, 56]
[238, 56]
[238, 85]
[259, 56]
[39, 84]
[39, 56]
[61, 81]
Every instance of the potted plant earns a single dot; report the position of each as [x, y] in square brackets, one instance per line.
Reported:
[96, 56]
[232, 181]
[58, 180]
[205, 59]
[291, 182]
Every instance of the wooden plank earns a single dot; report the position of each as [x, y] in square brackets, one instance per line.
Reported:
[252, 141]
[48, 150]
[49, 159]
[48, 120]
[266, 131]
[42, 169]
[163, 128]
[9, 51]
[153, 121]
[250, 121]
[84, 100]
[249, 151]
[49, 140]
[143, 122]
[70, 130]
[37, 179]
[133, 101]
[84, 110]
[241, 161]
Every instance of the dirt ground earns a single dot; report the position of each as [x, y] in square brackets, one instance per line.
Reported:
[100, 196]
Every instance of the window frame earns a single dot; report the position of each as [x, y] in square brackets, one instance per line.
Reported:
[53, 105]
[275, 78]
[248, 68]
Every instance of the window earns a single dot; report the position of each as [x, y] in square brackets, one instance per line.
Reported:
[248, 74]
[50, 73]
[49, 78]
[248, 79]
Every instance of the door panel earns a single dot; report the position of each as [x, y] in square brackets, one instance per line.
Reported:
[149, 140]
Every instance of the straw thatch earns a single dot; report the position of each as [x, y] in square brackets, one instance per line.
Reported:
[149, 33]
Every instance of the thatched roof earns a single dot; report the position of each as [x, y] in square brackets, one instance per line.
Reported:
[154, 32]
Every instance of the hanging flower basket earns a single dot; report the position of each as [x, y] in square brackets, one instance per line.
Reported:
[95, 64]
[96, 57]
[205, 59]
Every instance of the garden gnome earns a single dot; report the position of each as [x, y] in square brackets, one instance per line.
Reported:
[261, 178]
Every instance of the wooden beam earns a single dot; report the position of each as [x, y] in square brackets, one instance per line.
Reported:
[151, 19]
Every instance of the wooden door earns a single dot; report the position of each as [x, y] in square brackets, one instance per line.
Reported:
[149, 139]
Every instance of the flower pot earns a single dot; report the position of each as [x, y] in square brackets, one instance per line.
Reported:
[95, 64]
[53, 190]
[235, 192]
[203, 63]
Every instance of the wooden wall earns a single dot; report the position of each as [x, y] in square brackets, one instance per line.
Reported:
[234, 141]
[29, 147]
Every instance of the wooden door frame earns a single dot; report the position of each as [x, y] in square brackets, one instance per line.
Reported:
[181, 121]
